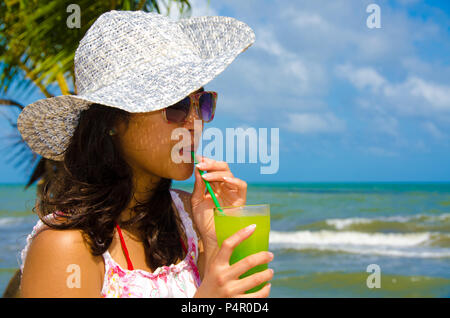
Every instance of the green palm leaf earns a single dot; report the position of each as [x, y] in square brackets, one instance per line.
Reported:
[37, 47]
[34, 35]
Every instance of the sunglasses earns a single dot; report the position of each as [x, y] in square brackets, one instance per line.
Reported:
[203, 102]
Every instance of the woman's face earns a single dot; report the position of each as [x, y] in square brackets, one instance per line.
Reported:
[147, 145]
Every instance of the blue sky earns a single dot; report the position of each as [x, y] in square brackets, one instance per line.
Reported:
[351, 103]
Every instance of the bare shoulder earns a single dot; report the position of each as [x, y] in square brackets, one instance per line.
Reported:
[55, 255]
[58, 238]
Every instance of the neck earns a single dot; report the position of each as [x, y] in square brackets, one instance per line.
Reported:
[144, 185]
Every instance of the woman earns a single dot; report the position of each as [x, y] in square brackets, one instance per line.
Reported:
[112, 226]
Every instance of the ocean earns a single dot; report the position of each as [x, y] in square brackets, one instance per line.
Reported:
[329, 239]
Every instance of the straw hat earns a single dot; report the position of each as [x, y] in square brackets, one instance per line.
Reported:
[136, 61]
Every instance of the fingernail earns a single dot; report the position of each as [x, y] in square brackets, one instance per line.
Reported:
[271, 255]
[250, 227]
[200, 165]
[205, 176]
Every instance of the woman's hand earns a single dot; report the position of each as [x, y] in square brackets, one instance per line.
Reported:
[222, 280]
[229, 191]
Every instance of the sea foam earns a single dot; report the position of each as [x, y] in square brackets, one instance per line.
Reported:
[340, 224]
[389, 244]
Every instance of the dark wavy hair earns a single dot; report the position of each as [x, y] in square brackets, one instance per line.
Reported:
[94, 185]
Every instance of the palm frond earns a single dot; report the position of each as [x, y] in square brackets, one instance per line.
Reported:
[37, 47]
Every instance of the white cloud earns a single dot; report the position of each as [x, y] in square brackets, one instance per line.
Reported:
[302, 47]
[243, 104]
[386, 124]
[417, 96]
[307, 19]
[267, 42]
[313, 123]
[431, 128]
[378, 151]
[413, 96]
[295, 73]
[337, 30]
[437, 95]
[202, 7]
[361, 77]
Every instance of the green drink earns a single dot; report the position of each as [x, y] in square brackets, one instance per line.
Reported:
[234, 219]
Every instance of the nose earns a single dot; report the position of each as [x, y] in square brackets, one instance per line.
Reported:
[190, 124]
[193, 115]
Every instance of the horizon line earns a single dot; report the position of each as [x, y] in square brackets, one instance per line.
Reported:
[280, 182]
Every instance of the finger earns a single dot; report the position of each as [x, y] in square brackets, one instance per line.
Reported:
[229, 244]
[212, 165]
[247, 263]
[199, 188]
[262, 293]
[201, 158]
[217, 188]
[254, 280]
[237, 186]
[217, 175]
[235, 182]
[231, 187]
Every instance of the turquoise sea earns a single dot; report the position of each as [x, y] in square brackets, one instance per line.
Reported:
[324, 236]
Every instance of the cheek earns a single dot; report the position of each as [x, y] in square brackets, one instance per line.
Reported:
[147, 136]
[147, 146]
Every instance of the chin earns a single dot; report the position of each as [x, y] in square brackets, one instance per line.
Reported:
[183, 172]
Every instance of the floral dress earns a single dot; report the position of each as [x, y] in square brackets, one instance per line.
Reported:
[176, 280]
